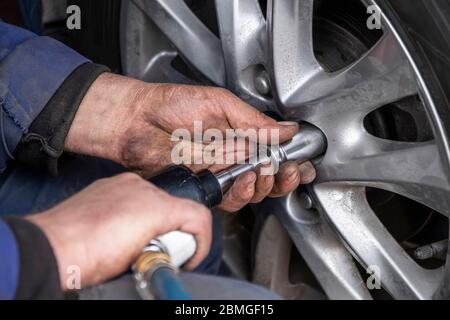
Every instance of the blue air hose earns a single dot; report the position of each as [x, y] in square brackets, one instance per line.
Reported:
[166, 285]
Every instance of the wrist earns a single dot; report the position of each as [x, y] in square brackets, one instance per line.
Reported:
[76, 268]
[42, 146]
[104, 115]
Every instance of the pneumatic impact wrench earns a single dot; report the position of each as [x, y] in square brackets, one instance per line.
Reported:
[172, 250]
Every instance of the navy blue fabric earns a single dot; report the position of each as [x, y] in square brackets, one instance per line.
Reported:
[9, 265]
[32, 14]
[32, 68]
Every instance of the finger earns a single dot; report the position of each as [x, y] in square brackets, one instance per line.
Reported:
[200, 226]
[263, 187]
[225, 154]
[243, 116]
[307, 172]
[240, 193]
[287, 179]
[202, 250]
[287, 130]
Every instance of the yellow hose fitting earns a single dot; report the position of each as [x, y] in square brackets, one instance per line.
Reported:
[147, 260]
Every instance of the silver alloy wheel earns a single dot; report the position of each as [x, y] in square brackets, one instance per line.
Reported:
[256, 54]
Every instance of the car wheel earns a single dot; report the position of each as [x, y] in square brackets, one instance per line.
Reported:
[375, 222]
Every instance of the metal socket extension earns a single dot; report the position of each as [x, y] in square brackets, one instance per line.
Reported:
[308, 144]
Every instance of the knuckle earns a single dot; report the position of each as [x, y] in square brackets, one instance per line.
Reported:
[236, 195]
[202, 212]
[233, 209]
[260, 117]
[129, 176]
[284, 188]
[207, 216]
[170, 91]
[288, 188]
[188, 204]
[102, 181]
[230, 206]
[267, 190]
[246, 195]
[193, 208]
[223, 91]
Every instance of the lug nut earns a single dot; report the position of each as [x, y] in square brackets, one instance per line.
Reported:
[262, 83]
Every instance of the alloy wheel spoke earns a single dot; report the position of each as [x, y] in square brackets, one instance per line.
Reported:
[242, 31]
[162, 70]
[147, 54]
[291, 38]
[318, 243]
[383, 75]
[384, 63]
[195, 42]
[347, 209]
[410, 169]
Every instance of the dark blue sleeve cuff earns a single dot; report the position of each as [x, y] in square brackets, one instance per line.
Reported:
[9, 266]
[30, 74]
[38, 274]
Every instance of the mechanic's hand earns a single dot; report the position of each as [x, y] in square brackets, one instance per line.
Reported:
[103, 228]
[131, 122]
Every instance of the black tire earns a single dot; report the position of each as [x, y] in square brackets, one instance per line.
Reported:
[99, 36]
[428, 40]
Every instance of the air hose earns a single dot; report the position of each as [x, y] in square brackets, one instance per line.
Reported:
[157, 277]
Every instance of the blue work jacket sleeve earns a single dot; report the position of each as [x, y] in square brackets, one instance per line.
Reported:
[32, 68]
[9, 266]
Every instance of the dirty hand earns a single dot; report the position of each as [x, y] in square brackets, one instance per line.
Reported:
[131, 122]
[103, 228]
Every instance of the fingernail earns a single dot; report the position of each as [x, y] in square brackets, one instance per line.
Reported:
[307, 172]
[288, 124]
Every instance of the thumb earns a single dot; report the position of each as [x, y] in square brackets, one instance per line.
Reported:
[287, 130]
[251, 118]
[243, 116]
